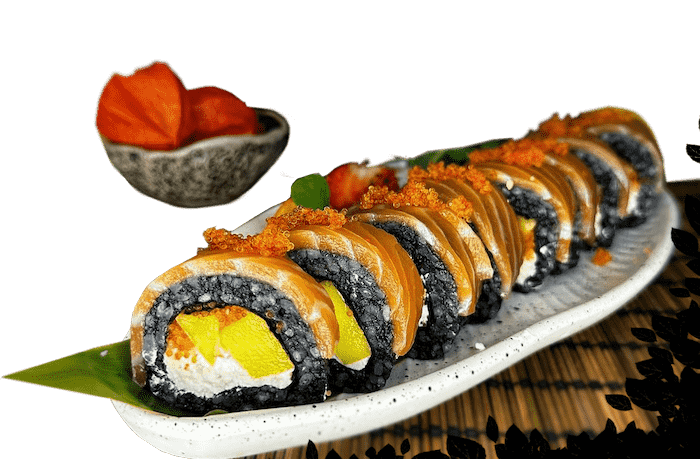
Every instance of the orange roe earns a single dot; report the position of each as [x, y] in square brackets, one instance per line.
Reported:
[441, 172]
[524, 152]
[180, 345]
[302, 216]
[416, 194]
[576, 127]
[267, 243]
[273, 240]
[601, 257]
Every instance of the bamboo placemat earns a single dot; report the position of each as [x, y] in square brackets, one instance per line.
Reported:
[559, 391]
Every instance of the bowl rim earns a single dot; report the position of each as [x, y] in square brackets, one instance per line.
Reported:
[275, 134]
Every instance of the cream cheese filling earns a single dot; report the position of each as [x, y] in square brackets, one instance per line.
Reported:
[206, 380]
[527, 269]
[357, 366]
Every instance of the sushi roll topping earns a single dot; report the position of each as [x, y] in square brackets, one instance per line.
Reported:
[523, 153]
[576, 127]
[273, 240]
[302, 216]
[441, 172]
[266, 243]
[416, 194]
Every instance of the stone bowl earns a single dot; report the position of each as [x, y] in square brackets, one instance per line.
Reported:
[205, 173]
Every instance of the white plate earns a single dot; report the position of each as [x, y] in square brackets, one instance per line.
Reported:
[564, 305]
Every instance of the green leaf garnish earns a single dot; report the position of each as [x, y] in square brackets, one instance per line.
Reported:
[311, 191]
[459, 155]
[103, 372]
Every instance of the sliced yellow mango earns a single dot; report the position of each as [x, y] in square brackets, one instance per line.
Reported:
[352, 346]
[527, 225]
[250, 341]
[204, 333]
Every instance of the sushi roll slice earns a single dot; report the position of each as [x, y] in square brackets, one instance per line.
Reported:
[632, 140]
[621, 151]
[618, 185]
[543, 200]
[233, 331]
[373, 280]
[492, 219]
[450, 258]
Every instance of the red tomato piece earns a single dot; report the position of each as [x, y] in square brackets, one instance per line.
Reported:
[348, 182]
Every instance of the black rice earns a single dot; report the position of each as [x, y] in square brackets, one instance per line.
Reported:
[436, 337]
[605, 177]
[529, 205]
[370, 308]
[633, 151]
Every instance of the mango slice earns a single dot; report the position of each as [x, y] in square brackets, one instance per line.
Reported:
[353, 345]
[527, 228]
[204, 333]
[252, 344]
[247, 339]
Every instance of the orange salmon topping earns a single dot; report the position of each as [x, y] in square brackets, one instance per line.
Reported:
[441, 172]
[576, 127]
[524, 152]
[273, 240]
[415, 194]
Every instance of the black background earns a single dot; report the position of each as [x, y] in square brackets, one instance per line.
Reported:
[83, 244]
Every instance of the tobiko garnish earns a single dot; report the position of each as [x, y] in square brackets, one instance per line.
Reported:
[152, 109]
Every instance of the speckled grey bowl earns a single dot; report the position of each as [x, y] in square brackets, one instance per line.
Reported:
[206, 173]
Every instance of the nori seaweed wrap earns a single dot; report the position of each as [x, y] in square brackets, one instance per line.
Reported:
[234, 332]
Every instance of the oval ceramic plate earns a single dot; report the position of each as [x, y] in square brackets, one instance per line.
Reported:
[564, 305]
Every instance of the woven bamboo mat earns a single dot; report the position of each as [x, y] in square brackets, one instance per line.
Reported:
[559, 391]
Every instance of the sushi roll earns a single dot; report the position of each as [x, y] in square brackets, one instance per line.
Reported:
[373, 281]
[450, 258]
[233, 331]
[493, 221]
[543, 200]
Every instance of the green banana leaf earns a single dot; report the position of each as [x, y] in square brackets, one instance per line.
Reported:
[103, 372]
